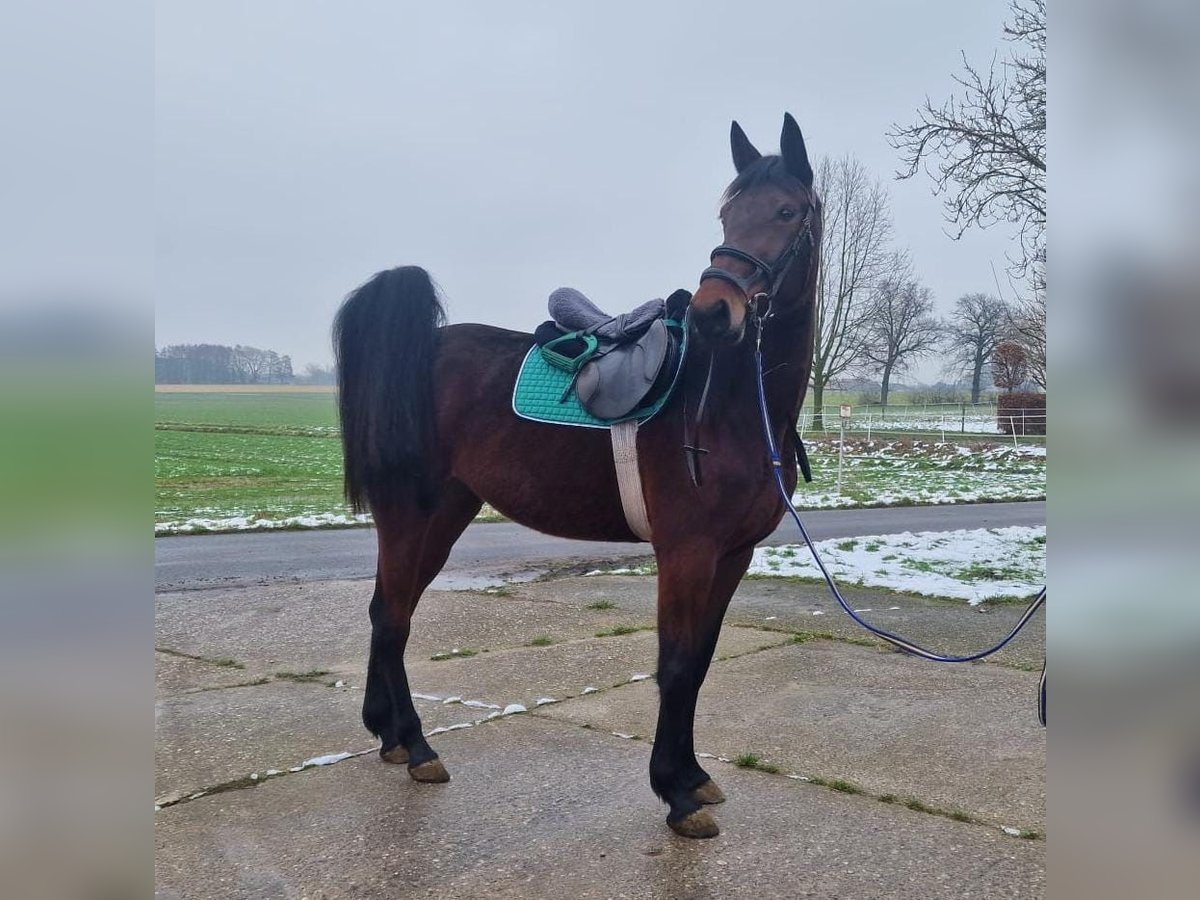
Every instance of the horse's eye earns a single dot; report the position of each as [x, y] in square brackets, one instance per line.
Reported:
[787, 213]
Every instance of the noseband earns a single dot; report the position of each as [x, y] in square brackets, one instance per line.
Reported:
[772, 275]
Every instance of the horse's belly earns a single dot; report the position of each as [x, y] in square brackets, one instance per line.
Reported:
[557, 480]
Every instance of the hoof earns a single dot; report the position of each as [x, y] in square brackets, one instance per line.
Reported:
[429, 772]
[698, 824]
[708, 793]
[395, 755]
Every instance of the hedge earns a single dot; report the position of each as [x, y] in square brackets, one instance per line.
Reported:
[1021, 413]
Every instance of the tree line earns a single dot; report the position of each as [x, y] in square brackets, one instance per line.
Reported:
[220, 364]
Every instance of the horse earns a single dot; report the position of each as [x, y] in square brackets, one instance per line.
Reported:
[429, 435]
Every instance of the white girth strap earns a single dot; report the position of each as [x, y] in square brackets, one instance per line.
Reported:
[629, 479]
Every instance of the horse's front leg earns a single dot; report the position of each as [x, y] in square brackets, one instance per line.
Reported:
[694, 589]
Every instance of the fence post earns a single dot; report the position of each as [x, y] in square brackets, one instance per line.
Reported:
[964, 418]
[841, 453]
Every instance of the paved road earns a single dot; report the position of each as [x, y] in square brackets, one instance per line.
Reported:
[503, 548]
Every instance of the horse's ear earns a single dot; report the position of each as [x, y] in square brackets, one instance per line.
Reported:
[795, 156]
[743, 151]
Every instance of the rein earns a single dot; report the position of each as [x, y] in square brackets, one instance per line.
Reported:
[895, 640]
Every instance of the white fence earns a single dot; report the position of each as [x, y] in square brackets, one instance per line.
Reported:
[943, 419]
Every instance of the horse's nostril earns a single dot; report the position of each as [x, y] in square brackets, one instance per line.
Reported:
[715, 319]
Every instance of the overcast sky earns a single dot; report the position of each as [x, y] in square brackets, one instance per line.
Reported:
[513, 148]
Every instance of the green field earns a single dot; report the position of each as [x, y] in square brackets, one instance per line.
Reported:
[266, 456]
[232, 460]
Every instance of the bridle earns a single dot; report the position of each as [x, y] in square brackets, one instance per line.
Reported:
[759, 305]
[772, 275]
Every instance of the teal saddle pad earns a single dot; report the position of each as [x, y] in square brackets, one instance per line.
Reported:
[538, 394]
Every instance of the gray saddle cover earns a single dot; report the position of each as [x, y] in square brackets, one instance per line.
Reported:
[615, 381]
[575, 312]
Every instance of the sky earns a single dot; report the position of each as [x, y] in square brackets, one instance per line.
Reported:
[514, 148]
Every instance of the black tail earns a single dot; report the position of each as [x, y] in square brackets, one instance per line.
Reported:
[385, 339]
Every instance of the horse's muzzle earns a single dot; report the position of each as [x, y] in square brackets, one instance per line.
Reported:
[715, 323]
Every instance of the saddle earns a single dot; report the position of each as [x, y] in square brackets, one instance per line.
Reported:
[619, 364]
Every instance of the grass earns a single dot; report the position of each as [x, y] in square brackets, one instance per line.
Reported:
[542, 640]
[754, 761]
[456, 653]
[266, 454]
[619, 630]
[956, 814]
[223, 662]
[309, 676]
[838, 784]
[601, 604]
[893, 471]
[984, 572]
[274, 454]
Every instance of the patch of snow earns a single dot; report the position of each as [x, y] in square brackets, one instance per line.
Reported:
[971, 564]
[512, 709]
[441, 729]
[589, 690]
[479, 704]
[273, 772]
[624, 570]
[327, 760]
[638, 678]
[339, 683]
[542, 701]
[628, 737]
[247, 523]
[1008, 829]
[450, 700]
[417, 696]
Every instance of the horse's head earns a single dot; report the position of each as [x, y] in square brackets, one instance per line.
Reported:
[771, 217]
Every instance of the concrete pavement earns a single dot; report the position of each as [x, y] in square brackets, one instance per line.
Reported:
[913, 769]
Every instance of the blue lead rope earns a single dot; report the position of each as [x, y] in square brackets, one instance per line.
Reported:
[894, 639]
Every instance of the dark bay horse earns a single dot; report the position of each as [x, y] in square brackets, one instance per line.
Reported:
[429, 434]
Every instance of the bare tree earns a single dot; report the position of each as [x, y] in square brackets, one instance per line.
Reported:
[250, 363]
[1010, 366]
[979, 322]
[985, 148]
[901, 327]
[857, 225]
[1029, 328]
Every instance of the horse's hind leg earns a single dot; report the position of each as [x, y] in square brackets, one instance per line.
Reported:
[693, 597]
[413, 546]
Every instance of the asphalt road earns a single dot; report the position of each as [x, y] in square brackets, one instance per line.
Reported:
[230, 560]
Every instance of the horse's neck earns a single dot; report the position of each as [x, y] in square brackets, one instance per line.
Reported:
[787, 358]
